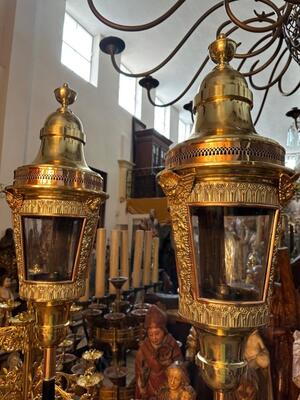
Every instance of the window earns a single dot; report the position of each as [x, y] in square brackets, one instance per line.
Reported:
[184, 131]
[162, 119]
[77, 49]
[130, 94]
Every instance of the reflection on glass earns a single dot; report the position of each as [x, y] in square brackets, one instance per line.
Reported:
[50, 247]
[231, 247]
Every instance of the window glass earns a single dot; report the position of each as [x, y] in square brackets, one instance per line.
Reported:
[162, 118]
[77, 48]
[130, 94]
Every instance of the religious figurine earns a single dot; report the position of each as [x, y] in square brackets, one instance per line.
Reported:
[296, 360]
[150, 224]
[256, 383]
[5, 291]
[156, 353]
[248, 387]
[177, 387]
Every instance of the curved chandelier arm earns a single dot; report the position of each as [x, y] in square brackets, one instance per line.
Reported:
[254, 71]
[176, 49]
[170, 103]
[285, 93]
[272, 81]
[250, 53]
[270, 84]
[134, 28]
[281, 17]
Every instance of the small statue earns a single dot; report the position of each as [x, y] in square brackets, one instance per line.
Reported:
[5, 291]
[156, 353]
[151, 223]
[177, 387]
[296, 359]
[256, 383]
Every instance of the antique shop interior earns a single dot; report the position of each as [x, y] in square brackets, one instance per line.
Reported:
[149, 200]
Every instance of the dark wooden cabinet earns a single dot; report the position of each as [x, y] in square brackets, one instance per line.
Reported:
[149, 149]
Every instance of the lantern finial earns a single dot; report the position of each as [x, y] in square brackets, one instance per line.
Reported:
[65, 96]
[222, 50]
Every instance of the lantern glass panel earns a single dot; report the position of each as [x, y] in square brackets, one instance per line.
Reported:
[50, 247]
[231, 249]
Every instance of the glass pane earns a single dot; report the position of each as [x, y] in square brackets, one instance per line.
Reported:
[75, 62]
[50, 247]
[231, 246]
[77, 37]
[127, 92]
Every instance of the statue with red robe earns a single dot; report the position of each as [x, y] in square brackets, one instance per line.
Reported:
[156, 353]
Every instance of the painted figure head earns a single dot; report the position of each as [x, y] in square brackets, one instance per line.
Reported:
[155, 324]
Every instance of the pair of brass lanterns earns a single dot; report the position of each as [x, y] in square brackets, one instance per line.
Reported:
[55, 203]
[225, 187]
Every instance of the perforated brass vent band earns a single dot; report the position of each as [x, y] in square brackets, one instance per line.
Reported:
[219, 152]
[58, 177]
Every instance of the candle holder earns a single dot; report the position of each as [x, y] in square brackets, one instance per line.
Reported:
[118, 283]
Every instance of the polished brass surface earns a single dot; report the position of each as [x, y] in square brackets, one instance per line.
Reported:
[18, 336]
[221, 358]
[224, 163]
[57, 186]
[57, 183]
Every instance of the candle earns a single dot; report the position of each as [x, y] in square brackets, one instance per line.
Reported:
[100, 262]
[155, 260]
[114, 257]
[124, 258]
[137, 260]
[147, 258]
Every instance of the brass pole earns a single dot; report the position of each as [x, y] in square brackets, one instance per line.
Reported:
[48, 392]
[28, 364]
[219, 396]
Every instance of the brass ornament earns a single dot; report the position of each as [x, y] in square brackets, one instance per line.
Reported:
[287, 187]
[225, 174]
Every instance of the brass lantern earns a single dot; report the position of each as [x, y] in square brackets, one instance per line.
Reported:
[55, 203]
[225, 187]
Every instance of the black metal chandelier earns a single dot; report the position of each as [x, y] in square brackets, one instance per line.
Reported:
[278, 27]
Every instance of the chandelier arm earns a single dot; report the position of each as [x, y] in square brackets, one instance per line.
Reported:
[261, 40]
[242, 25]
[254, 71]
[261, 106]
[267, 89]
[176, 49]
[170, 103]
[290, 93]
[272, 81]
[134, 28]
[259, 51]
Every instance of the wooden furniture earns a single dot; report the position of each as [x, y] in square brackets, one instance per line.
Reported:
[149, 149]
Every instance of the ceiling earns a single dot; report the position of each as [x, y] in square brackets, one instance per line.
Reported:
[146, 49]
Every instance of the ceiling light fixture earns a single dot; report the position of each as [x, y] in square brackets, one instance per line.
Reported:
[278, 26]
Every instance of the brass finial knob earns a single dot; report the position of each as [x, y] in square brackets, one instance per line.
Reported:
[222, 50]
[65, 96]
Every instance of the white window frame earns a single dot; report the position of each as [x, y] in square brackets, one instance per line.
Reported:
[137, 98]
[162, 126]
[94, 59]
[187, 130]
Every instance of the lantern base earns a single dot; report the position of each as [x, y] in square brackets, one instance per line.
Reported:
[221, 359]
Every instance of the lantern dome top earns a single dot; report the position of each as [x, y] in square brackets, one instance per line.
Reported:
[60, 163]
[63, 122]
[223, 82]
[223, 131]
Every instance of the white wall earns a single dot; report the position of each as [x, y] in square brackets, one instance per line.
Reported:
[35, 71]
